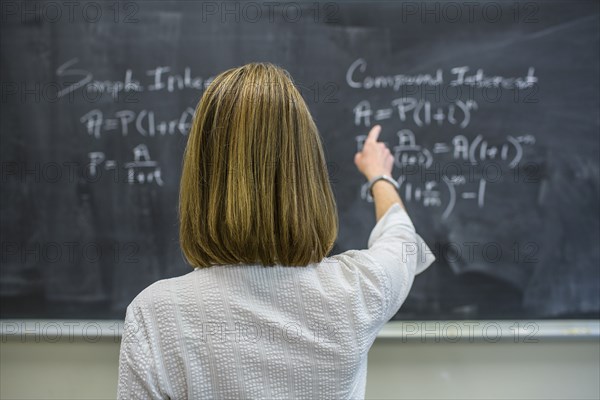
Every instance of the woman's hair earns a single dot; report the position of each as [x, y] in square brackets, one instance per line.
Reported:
[254, 186]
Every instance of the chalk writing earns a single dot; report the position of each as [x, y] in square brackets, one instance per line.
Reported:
[143, 122]
[142, 170]
[160, 78]
[476, 151]
[421, 112]
[357, 78]
[443, 194]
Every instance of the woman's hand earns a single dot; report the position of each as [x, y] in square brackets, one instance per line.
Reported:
[375, 157]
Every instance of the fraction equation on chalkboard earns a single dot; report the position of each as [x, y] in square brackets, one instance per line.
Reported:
[408, 155]
[141, 170]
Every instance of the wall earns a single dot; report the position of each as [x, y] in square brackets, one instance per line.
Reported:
[549, 369]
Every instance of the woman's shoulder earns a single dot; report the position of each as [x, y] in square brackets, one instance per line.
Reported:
[160, 291]
[353, 267]
[354, 258]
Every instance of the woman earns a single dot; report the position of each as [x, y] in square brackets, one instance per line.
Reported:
[264, 313]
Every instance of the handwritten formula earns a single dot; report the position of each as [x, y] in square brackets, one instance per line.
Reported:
[141, 170]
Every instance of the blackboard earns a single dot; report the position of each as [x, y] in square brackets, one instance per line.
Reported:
[490, 108]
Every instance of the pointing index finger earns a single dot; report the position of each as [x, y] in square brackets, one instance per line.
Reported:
[373, 133]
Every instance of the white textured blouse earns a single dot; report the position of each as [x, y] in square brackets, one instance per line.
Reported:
[254, 332]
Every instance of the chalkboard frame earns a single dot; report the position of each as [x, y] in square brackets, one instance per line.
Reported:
[442, 331]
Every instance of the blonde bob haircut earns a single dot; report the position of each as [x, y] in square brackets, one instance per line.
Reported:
[254, 186]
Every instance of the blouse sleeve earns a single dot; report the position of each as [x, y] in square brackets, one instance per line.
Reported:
[386, 269]
[138, 377]
[398, 253]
